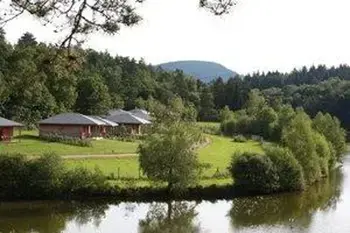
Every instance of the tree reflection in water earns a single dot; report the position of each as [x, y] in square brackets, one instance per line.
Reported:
[291, 209]
[172, 217]
[48, 217]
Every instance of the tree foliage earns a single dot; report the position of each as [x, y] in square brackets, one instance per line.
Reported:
[330, 127]
[290, 173]
[169, 156]
[254, 173]
[298, 136]
[39, 80]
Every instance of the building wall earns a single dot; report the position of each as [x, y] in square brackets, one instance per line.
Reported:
[62, 130]
[6, 133]
[75, 131]
[98, 131]
[130, 128]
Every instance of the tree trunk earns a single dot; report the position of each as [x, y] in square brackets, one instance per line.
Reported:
[170, 210]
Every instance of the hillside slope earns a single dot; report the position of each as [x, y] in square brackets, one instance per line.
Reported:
[203, 70]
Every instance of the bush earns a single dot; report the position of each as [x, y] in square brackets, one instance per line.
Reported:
[290, 172]
[239, 138]
[228, 127]
[67, 140]
[254, 173]
[46, 177]
[209, 128]
[45, 174]
[80, 179]
[14, 175]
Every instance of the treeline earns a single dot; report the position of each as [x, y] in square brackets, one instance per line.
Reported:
[314, 89]
[38, 80]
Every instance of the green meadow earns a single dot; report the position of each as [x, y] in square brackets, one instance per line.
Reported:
[216, 155]
[29, 144]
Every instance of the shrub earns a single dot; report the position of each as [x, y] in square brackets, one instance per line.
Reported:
[254, 173]
[45, 174]
[14, 175]
[67, 140]
[228, 127]
[46, 177]
[239, 138]
[209, 128]
[80, 179]
[289, 170]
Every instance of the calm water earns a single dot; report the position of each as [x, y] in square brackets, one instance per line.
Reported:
[323, 209]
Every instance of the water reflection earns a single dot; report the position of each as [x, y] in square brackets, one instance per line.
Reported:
[44, 217]
[172, 217]
[322, 208]
[292, 210]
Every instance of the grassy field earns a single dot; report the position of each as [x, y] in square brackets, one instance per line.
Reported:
[30, 144]
[218, 154]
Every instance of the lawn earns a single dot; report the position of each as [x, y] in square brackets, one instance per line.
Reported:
[30, 144]
[218, 154]
[220, 151]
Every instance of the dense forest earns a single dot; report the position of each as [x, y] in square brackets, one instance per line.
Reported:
[38, 80]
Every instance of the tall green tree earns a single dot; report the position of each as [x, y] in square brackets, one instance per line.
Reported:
[27, 39]
[330, 127]
[169, 156]
[298, 136]
[207, 111]
[93, 97]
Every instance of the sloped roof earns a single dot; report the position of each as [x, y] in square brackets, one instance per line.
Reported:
[72, 119]
[141, 113]
[116, 112]
[127, 118]
[108, 122]
[9, 123]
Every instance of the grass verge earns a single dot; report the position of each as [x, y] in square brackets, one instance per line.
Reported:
[30, 144]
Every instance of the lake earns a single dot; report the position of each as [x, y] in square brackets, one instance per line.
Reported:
[324, 208]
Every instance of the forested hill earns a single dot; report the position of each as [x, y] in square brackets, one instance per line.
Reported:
[203, 70]
[37, 82]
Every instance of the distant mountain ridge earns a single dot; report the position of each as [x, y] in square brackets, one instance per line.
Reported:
[203, 70]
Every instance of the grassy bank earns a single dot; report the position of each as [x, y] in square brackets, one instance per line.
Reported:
[125, 171]
[217, 154]
[30, 144]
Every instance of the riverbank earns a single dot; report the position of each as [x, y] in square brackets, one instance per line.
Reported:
[320, 209]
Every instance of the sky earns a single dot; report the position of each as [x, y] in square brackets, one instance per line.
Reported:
[258, 35]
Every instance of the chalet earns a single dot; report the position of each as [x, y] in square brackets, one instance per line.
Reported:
[75, 125]
[6, 129]
[110, 126]
[132, 123]
[141, 113]
[116, 112]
